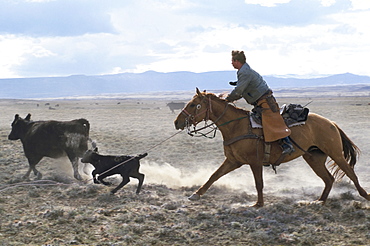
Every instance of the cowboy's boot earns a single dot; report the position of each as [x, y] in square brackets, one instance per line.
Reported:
[287, 146]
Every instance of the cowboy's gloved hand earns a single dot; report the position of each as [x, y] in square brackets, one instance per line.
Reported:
[232, 83]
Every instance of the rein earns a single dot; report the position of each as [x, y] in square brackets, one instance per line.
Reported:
[190, 121]
[190, 117]
[207, 111]
[223, 124]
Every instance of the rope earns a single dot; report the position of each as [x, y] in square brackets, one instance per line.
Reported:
[120, 164]
[36, 182]
[163, 141]
[51, 182]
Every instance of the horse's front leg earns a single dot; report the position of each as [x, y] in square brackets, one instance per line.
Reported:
[226, 167]
[258, 180]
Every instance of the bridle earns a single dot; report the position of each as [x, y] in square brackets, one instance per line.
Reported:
[190, 119]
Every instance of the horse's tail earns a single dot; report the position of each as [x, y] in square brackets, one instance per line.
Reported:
[350, 152]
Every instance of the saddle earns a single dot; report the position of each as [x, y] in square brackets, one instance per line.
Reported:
[293, 114]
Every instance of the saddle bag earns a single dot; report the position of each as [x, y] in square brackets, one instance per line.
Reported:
[296, 112]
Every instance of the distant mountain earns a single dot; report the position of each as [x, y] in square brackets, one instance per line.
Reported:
[81, 85]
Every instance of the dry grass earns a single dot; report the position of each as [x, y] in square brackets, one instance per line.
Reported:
[86, 214]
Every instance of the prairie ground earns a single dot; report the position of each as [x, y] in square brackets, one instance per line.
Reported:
[63, 211]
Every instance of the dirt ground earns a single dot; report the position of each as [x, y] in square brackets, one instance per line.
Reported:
[62, 211]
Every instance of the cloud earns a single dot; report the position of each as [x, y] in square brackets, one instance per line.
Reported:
[56, 38]
[360, 5]
[54, 18]
[267, 3]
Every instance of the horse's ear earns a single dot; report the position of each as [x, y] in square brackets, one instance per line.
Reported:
[28, 117]
[199, 93]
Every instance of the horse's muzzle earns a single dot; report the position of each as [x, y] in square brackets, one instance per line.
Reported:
[179, 125]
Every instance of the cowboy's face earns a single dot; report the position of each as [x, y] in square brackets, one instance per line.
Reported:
[236, 64]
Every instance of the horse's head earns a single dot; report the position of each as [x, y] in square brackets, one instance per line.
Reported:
[194, 111]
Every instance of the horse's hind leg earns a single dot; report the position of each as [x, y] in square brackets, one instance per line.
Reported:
[317, 161]
[258, 179]
[226, 167]
[346, 168]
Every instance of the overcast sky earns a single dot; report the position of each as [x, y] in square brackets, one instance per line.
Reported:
[40, 38]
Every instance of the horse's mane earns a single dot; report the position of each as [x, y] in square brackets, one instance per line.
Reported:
[231, 105]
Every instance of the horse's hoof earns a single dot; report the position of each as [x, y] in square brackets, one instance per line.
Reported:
[194, 197]
[257, 205]
[317, 202]
[368, 197]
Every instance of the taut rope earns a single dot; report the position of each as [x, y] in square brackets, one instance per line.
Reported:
[119, 164]
[51, 182]
[44, 182]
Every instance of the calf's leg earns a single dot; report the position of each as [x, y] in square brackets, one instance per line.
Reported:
[100, 179]
[125, 180]
[140, 177]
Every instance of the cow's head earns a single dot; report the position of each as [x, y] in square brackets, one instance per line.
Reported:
[19, 127]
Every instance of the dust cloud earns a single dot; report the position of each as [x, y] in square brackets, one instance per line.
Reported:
[293, 179]
[240, 179]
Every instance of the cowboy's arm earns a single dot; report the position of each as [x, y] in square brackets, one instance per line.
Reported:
[242, 84]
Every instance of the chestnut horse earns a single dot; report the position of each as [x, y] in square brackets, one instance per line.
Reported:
[318, 139]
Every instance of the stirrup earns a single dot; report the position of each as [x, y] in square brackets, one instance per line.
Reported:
[287, 146]
[287, 149]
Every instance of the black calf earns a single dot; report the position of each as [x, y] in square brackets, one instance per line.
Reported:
[104, 166]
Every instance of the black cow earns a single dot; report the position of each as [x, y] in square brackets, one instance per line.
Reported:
[108, 165]
[51, 139]
[175, 105]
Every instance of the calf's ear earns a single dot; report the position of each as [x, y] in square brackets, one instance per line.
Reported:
[28, 117]
[16, 117]
[96, 149]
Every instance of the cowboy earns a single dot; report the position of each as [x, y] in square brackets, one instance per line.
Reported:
[255, 91]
